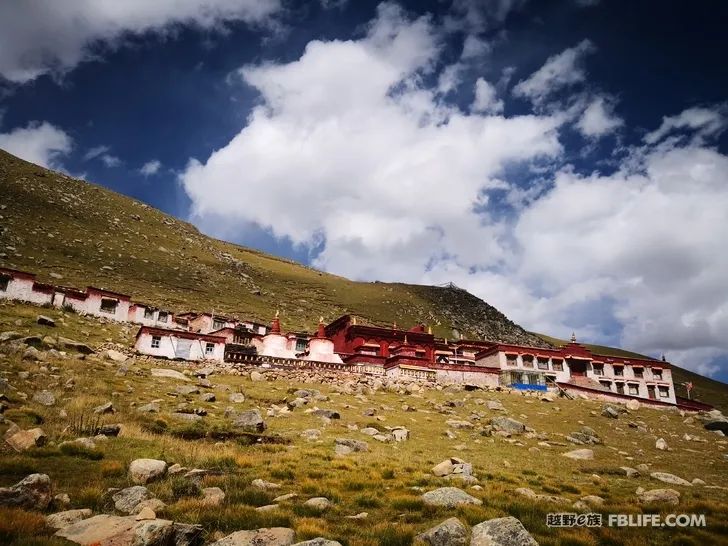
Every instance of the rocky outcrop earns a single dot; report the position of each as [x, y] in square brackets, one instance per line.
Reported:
[32, 492]
[119, 531]
[449, 497]
[506, 531]
[450, 532]
[146, 470]
[275, 536]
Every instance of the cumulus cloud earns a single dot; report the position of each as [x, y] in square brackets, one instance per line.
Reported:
[102, 154]
[598, 119]
[45, 36]
[348, 149]
[150, 167]
[559, 71]
[486, 98]
[40, 143]
[705, 122]
[351, 156]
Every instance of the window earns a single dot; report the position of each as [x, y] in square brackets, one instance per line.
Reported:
[664, 391]
[209, 348]
[218, 324]
[598, 369]
[527, 361]
[558, 365]
[606, 384]
[148, 313]
[108, 305]
[620, 388]
[4, 281]
[618, 371]
[543, 363]
[301, 345]
[163, 316]
[657, 373]
[511, 360]
[156, 341]
[634, 389]
[638, 372]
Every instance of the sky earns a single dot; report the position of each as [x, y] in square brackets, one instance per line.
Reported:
[565, 161]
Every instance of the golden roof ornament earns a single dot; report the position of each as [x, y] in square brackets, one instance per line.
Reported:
[573, 337]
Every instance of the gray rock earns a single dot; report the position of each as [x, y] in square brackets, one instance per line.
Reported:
[22, 440]
[453, 465]
[661, 444]
[121, 531]
[257, 376]
[450, 497]
[611, 412]
[44, 320]
[720, 424]
[32, 492]
[344, 446]
[104, 408]
[207, 397]
[450, 532]
[250, 421]
[506, 531]
[319, 541]
[116, 356]
[146, 470]
[318, 503]
[328, 414]
[70, 345]
[237, 398]
[152, 407]
[670, 478]
[213, 496]
[669, 496]
[262, 484]
[187, 534]
[579, 454]
[187, 390]
[311, 434]
[61, 520]
[509, 425]
[128, 499]
[275, 536]
[630, 472]
[45, 398]
[169, 374]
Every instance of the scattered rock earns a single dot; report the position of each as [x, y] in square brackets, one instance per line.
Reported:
[318, 503]
[506, 531]
[670, 478]
[661, 444]
[450, 497]
[450, 532]
[237, 397]
[61, 520]
[633, 405]
[508, 425]
[344, 446]
[213, 496]
[116, 530]
[116, 356]
[579, 454]
[611, 412]
[319, 541]
[146, 470]
[262, 484]
[256, 376]
[22, 440]
[32, 492]
[669, 496]
[104, 408]
[249, 421]
[128, 499]
[311, 434]
[275, 536]
[630, 472]
[44, 320]
[169, 374]
[327, 414]
[45, 398]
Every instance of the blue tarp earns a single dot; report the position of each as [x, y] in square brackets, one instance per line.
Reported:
[528, 387]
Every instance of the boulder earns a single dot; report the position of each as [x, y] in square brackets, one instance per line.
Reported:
[262, 484]
[119, 531]
[76, 346]
[579, 454]
[495, 405]
[327, 414]
[661, 444]
[187, 534]
[633, 405]
[22, 440]
[275, 536]
[213, 496]
[669, 496]
[451, 466]
[630, 472]
[507, 424]
[249, 421]
[44, 320]
[449, 497]
[450, 532]
[344, 446]
[45, 398]
[104, 408]
[169, 374]
[319, 541]
[61, 520]
[670, 478]
[611, 412]
[127, 500]
[720, 424]
[318, 503]
[146, 470]
[506, 531]
[400, 434]
[116, 356]
[32, 492]
[237, 397]
[187, 390]
[152, 407]
[207, 397]
[256, 376]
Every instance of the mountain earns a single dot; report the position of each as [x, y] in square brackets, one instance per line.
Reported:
[75, 233]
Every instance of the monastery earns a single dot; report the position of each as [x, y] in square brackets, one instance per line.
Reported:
[347, 346]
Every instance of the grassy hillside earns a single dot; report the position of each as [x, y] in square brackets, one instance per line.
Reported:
[705, 390]
[55, 225]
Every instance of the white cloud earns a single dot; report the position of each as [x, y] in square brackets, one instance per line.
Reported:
[486, 98]
[150, 167]
[39, 143]
[598, 119]
[102, 154]
[559, 71]
[45, 36]
[347, 147]
[705, 122]
[110, 160]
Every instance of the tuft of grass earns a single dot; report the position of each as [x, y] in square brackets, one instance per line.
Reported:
[182, 488]
[15, 522]
[76, 450]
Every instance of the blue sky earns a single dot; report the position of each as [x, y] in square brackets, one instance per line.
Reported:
[565, 161]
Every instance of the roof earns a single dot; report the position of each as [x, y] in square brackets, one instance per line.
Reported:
[155, 331]
[108, 293]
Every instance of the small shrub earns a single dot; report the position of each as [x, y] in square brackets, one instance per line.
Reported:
[388, 474]
[156, 426]
[367, 501]
[395, 535]
[182, 487]
[283, 474]
[189, 431]
[76, 450]
[568, 488]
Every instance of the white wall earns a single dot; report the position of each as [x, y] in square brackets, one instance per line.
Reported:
[22, 289]
[168, 344]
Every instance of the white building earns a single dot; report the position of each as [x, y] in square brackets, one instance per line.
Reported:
[177, 344]
[22, 286]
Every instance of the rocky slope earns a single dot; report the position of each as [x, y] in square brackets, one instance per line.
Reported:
[75, 233]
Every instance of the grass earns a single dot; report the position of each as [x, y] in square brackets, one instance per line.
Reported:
[379, 482]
